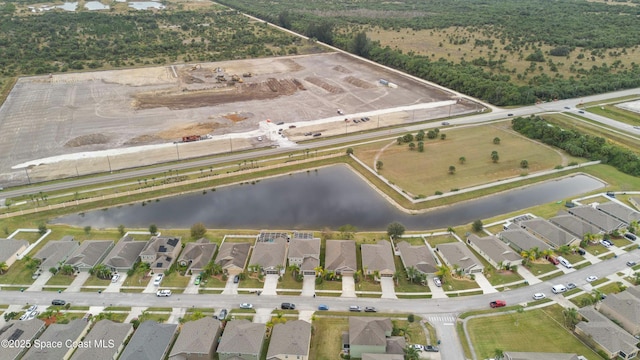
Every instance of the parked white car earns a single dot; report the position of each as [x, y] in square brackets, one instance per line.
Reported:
[592, 278]
[158, 279]
[163, 293]
[246, 306]
[539, 296]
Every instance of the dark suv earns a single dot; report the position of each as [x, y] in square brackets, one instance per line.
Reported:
[287, 306]
[58, 302]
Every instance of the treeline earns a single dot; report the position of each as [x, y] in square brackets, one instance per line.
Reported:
[578, 144]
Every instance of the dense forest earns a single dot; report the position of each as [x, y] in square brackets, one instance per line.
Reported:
[61, 41]
[520, 27]
[577, 144]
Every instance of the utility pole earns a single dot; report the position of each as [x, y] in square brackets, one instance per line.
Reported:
[26, 171]
[178, 151]
[109, 161]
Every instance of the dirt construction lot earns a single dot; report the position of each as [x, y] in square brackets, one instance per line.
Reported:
[80, 113]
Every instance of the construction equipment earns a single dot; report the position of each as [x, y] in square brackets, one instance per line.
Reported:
[247, 74]
[236, 78]
[190, 138]
[196, 67]
[221, 78]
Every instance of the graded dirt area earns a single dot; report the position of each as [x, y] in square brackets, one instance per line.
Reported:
[80, 113]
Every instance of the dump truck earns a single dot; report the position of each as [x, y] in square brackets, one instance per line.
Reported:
[221, 78]
[190, 138]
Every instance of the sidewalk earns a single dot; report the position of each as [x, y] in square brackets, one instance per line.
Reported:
[527, 275]
[484, 284]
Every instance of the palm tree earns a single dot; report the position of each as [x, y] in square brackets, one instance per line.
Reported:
[451, 230]
[546, 253]
[443, 272]
[396, 276]
[294, 269]
[3, 267]
[101, 271]
[564, 249]
[319, 271]
[412, 272]
[410, 353]
[498, 354]
[571, 317]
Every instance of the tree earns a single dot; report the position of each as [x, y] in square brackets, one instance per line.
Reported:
[350, 151]
[443, 271]
[443, 136]
[432, 134]
[42, 229]
[198, 230]
[379, 165]
[347, 231]
[462, 160]
[498, 354]
[121, 230]
[407, 138]
[360, 44]
[400, 140]
[67, 270]
[87, 230]
[395, 229]
[420, 135]
[412, 146]
[101, 271]
[524, 164]
[153, 229]
[421, 146]
[3, 267]
[571, 317]
[452, 170]
[284, 19]
[412, 272]
[477, 226]
[496, 140]
[410, 353]
[494, 156]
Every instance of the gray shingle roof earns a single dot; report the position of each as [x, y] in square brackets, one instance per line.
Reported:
[197, 337]
[54, 333]
[340, 255]
[233, 254]
[54, 252]
[11, 247]
[125, 253]
[269, 254]
[495, 249]
[242, 337]
[369, 330]
[520, 239]
[90, 253]
[554, 235]
[369, 356]
[19, 330]
[457, 253]
[596, 217]
[624, 307]
[300, 248]
[378, 257]
[161, 251]
[512, 355]
[574, 225]
[104, 330]
[417, 256]
[197, 254]
[620, 212]
[150, 341]
[606, 333]
[396, 345]
[291, 338]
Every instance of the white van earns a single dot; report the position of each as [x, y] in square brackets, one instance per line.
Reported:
[565, 262]
[557, 289]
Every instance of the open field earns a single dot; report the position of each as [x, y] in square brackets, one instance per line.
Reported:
[81, 112]
[534, 331]
[424, 173]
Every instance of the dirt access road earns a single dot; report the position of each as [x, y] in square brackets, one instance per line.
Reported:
[138, 114]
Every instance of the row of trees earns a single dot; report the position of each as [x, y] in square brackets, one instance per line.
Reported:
[578, 144]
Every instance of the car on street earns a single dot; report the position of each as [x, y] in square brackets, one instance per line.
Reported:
[163, 293]
[246, 306]
[445, 123]
[158, 279]
[606, 243]
[317, 134]
[437, 281]
[635, 127]
[566, 107]
[497, 303]
[308, 134]
[418, 347]
[355, 308]
[259, 138]
[280, 123]
[236, 279]
[631, 263]
[571, 286]
[115, 278]
[592, 278]
[580, 111]
[323, 307]
[539, 296]
[197, 281]
[370, 309]
[58, 302]
[431, 348]
[509, 114]
[340, 112]
[223, 314]
[287, 306]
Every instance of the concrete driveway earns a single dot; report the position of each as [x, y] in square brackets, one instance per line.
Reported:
[230, 288]
[192, 288]
[484, 283]
[270, 284]
[78, 281]
[308, 285]
[348, 286]
[115, 286]
[388, 288]
[40, 281]
[263, 315]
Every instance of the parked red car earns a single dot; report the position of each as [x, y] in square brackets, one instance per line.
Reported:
[498, 303]
[553, 260]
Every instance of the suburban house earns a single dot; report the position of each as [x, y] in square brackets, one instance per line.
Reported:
[574, 225]
[378, 258]
[340, 257]
[196, 255]
[270, 255]
[54, 253]
[305, 253]
[151, 341]
[89, 254]
[369, 335]
[10, 249]
[619, 211]
[101, 330]
[624, 309]
[197, 340]
[419, 257]
[549, 232]
[241, 339]
[597, 218]
[161, 252]
[21, 332]
[603, 334]
[521, 240]
[59, 333]
[457, 253]
[290, 340]
[370, 356]
[124, 255]
[494, 251]
[512, 355]
[233, 257]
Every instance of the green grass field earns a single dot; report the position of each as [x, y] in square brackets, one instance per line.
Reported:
[424, 173]
[535, 331]
[325, 342]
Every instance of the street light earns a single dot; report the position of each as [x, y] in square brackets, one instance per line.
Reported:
[178, 151]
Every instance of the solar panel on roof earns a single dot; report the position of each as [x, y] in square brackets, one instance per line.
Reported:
[16, 334]
[162, 248]
[173, 242]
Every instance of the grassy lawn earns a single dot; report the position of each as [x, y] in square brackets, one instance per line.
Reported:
[403, 284]
[434, 241]
[326, 339]
[135, 290]
[501, 277]
[535, 331]
[620, 242]
[541, 268]
[213, 282]
[612, 288]
[96, 281]
[455, 284]
[175, 280]
[414, 331]
[118, 308]
[17, 274]
[405, 168]
[599, 281]
[161, 318]
[329, 285]
[368, 285]
[251, 282]
[288, 282]
[59, 279]
[31, 237]
[412, 240]
[137, 279]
